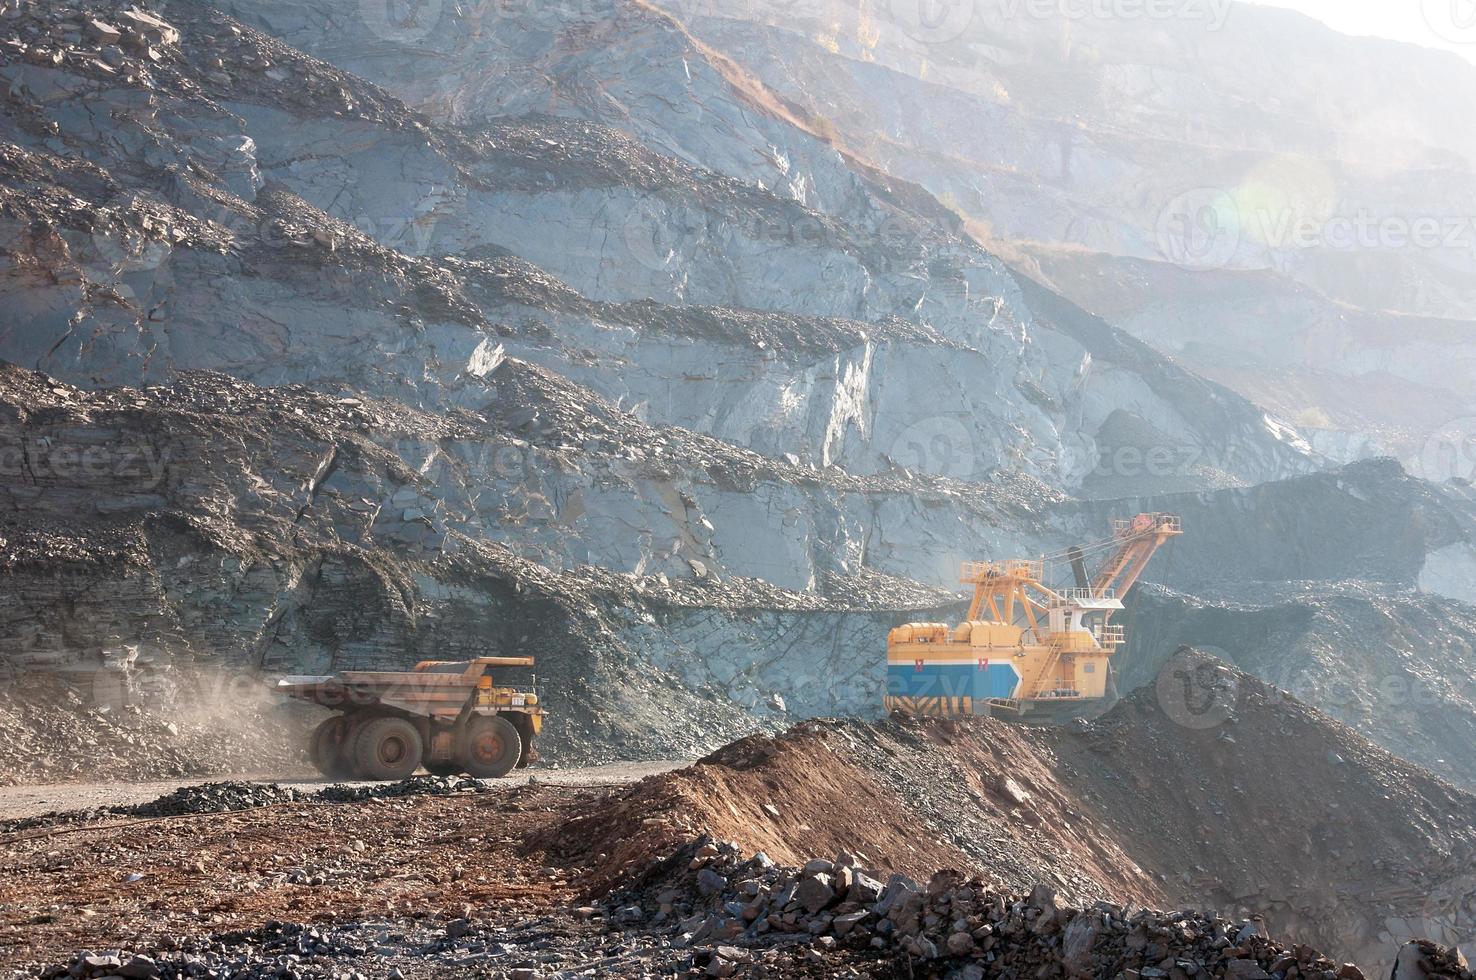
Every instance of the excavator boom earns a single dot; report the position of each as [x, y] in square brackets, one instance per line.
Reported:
[1138, 540]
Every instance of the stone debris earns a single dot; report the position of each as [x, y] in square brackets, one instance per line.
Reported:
[956, 925]
[1422, 959]
[542, 946]
[414, 786]
[213, 798]
[1113, 809]
[868, 924]
[233, 796]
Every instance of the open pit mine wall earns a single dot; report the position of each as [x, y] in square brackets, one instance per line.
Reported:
[285, 531]
[771, 443]
[292, 531]
[1321, 585]
[674, 219]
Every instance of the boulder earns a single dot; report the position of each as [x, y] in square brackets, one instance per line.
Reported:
[815, 893]
[1077, 945]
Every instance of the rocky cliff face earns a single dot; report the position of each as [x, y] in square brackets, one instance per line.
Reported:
[1285, 209]
[617, 222]
[346, 340]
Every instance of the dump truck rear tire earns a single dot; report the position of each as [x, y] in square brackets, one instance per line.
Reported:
[328, 748]
[387, 748]
[356, 721]
[489, 747]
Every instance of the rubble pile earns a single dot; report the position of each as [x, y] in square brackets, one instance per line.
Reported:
[203, 798]
[235, 795]
[414, 786]
[727, 916]
[531, 949]
[214, 798]
[100, 40]
[1423, 958]
[1113, 810]
[953, 925]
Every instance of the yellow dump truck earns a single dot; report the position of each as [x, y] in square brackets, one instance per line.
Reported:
[448, 716]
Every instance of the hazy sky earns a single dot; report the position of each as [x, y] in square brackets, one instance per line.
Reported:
[1449, 24]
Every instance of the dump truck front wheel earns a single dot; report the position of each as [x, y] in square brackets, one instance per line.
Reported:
[329, 748]
[489, 747]
[387, 748]
[525, 731]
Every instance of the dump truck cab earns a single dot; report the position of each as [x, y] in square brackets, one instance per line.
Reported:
[449, 716]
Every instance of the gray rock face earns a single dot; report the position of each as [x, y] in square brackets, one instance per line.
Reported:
[308, 540]
[1415, 697]
[1336, 294]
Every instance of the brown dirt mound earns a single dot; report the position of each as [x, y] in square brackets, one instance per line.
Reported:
[1266, 807]
[904, 797]
[789, 797]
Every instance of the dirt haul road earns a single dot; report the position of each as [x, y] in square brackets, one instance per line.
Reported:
[18, 802]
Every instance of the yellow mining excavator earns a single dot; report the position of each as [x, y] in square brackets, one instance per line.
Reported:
[1027, 650]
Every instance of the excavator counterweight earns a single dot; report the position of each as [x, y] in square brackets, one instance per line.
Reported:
[1027, 649]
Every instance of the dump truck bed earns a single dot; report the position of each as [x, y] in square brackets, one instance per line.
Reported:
[432, 689]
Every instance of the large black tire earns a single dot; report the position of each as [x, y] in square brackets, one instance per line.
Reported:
[489, 747]
[525, 732]
[387, 748]
[328, 748]
[356, 722]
